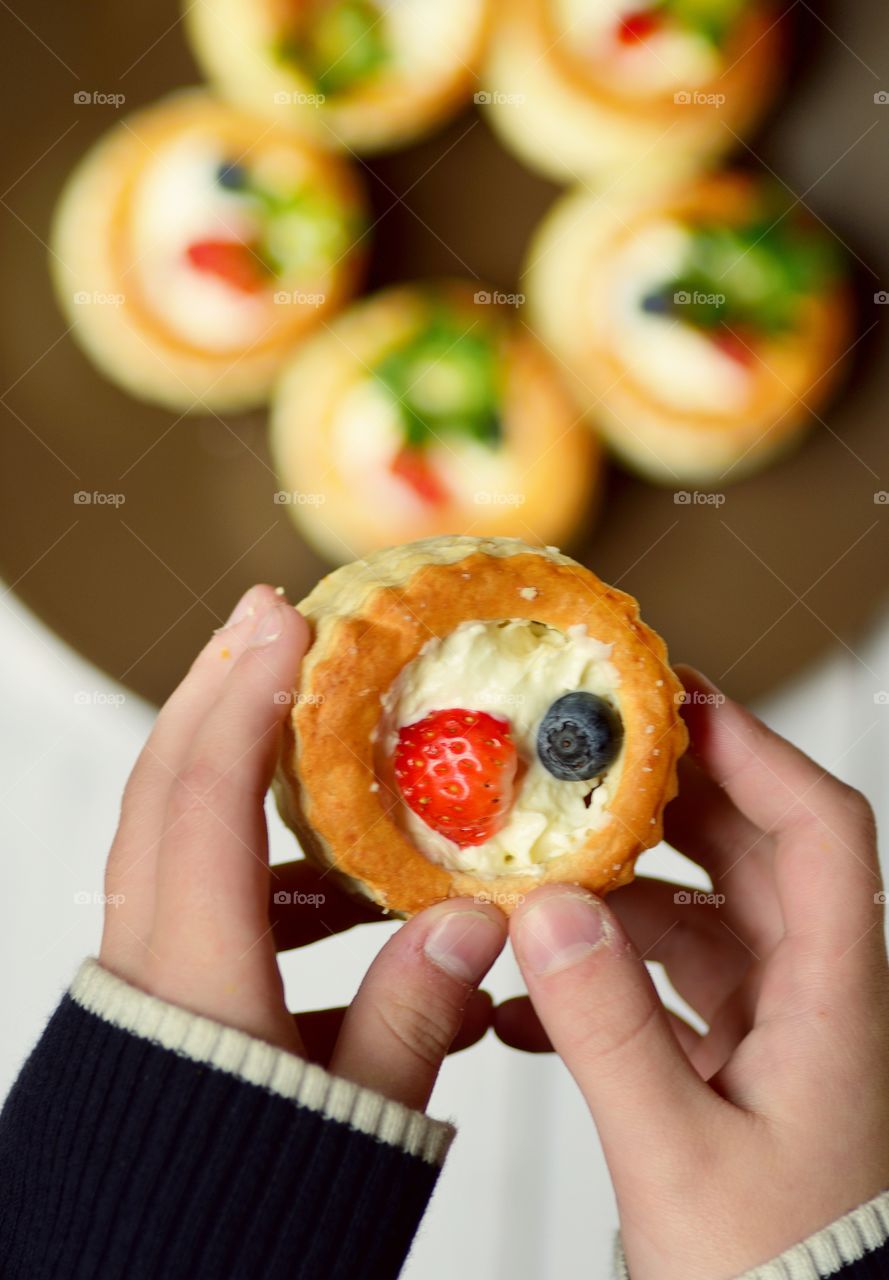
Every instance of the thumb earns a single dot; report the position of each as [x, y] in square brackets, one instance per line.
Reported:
[410, 1005]
[601, 1011]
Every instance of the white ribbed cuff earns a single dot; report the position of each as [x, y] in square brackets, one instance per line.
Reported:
[822, 1254]
[255, 1062]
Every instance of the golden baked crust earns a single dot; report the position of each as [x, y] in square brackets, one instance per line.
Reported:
[544, 447]
[369, 620]
[235, 43]
[93, 254]
[563, 116]
[568, 280]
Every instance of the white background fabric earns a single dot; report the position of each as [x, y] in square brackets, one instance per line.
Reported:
[525, 1193]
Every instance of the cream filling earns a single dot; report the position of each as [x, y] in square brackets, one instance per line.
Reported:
[427, 39]
[178, 202]
[515, 669]
[367, 434]
[679, 366]
[670, 58]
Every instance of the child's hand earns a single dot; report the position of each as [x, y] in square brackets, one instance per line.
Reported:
[190, 860]
[791, 1128]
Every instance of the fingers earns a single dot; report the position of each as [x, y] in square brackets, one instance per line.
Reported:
[306, 904]
[517, 1024]
[319, 1029]
[215, 825]
[598, 1006]
[826, 847]
[410, 1006]
[705, 960]
[776, 786]
[185, 710]
[703, 824]
[211, 910]
[130, 872]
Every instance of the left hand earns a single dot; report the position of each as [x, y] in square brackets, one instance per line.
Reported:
[727, 1148]
[195, 925]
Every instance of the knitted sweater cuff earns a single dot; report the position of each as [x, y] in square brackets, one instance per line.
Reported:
[854, 1247]
[141, 1141]
[255, 1062]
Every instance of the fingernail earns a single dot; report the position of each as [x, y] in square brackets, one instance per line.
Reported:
[464, 944]
[561, 930]
[243, 609]
[269, 627]
[704, 682]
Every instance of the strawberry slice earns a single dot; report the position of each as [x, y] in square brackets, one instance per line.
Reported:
[413, 467]
[456, 769]
[735, 345]
[230, 260]
[636, 27]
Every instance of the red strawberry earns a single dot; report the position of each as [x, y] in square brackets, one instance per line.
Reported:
[456, 769]
[230, 260]
[737, 345]
[412, 466]
[638, 26]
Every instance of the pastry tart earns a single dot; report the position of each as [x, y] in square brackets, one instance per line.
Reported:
[424, 410]
[641, 90]
[703, 327]
[368, 75]
[194, 245]
[477, 716]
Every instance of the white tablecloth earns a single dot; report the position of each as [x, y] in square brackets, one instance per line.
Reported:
[524, 1194]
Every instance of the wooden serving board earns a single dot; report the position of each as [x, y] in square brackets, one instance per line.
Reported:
[792, 563]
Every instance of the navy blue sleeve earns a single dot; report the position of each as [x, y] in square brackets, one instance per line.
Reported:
[122, 1158]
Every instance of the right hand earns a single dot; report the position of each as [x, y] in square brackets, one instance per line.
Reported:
[192, 918]
[727, 1148]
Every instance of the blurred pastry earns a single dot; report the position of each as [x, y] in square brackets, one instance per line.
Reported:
[638, 90]
[423, 410]
[194, 245]
[363, 74]
[477, 716]
[703, 328]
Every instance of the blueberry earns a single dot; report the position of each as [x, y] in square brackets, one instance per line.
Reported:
[232, 176]
[657, 303]
[579, 736]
